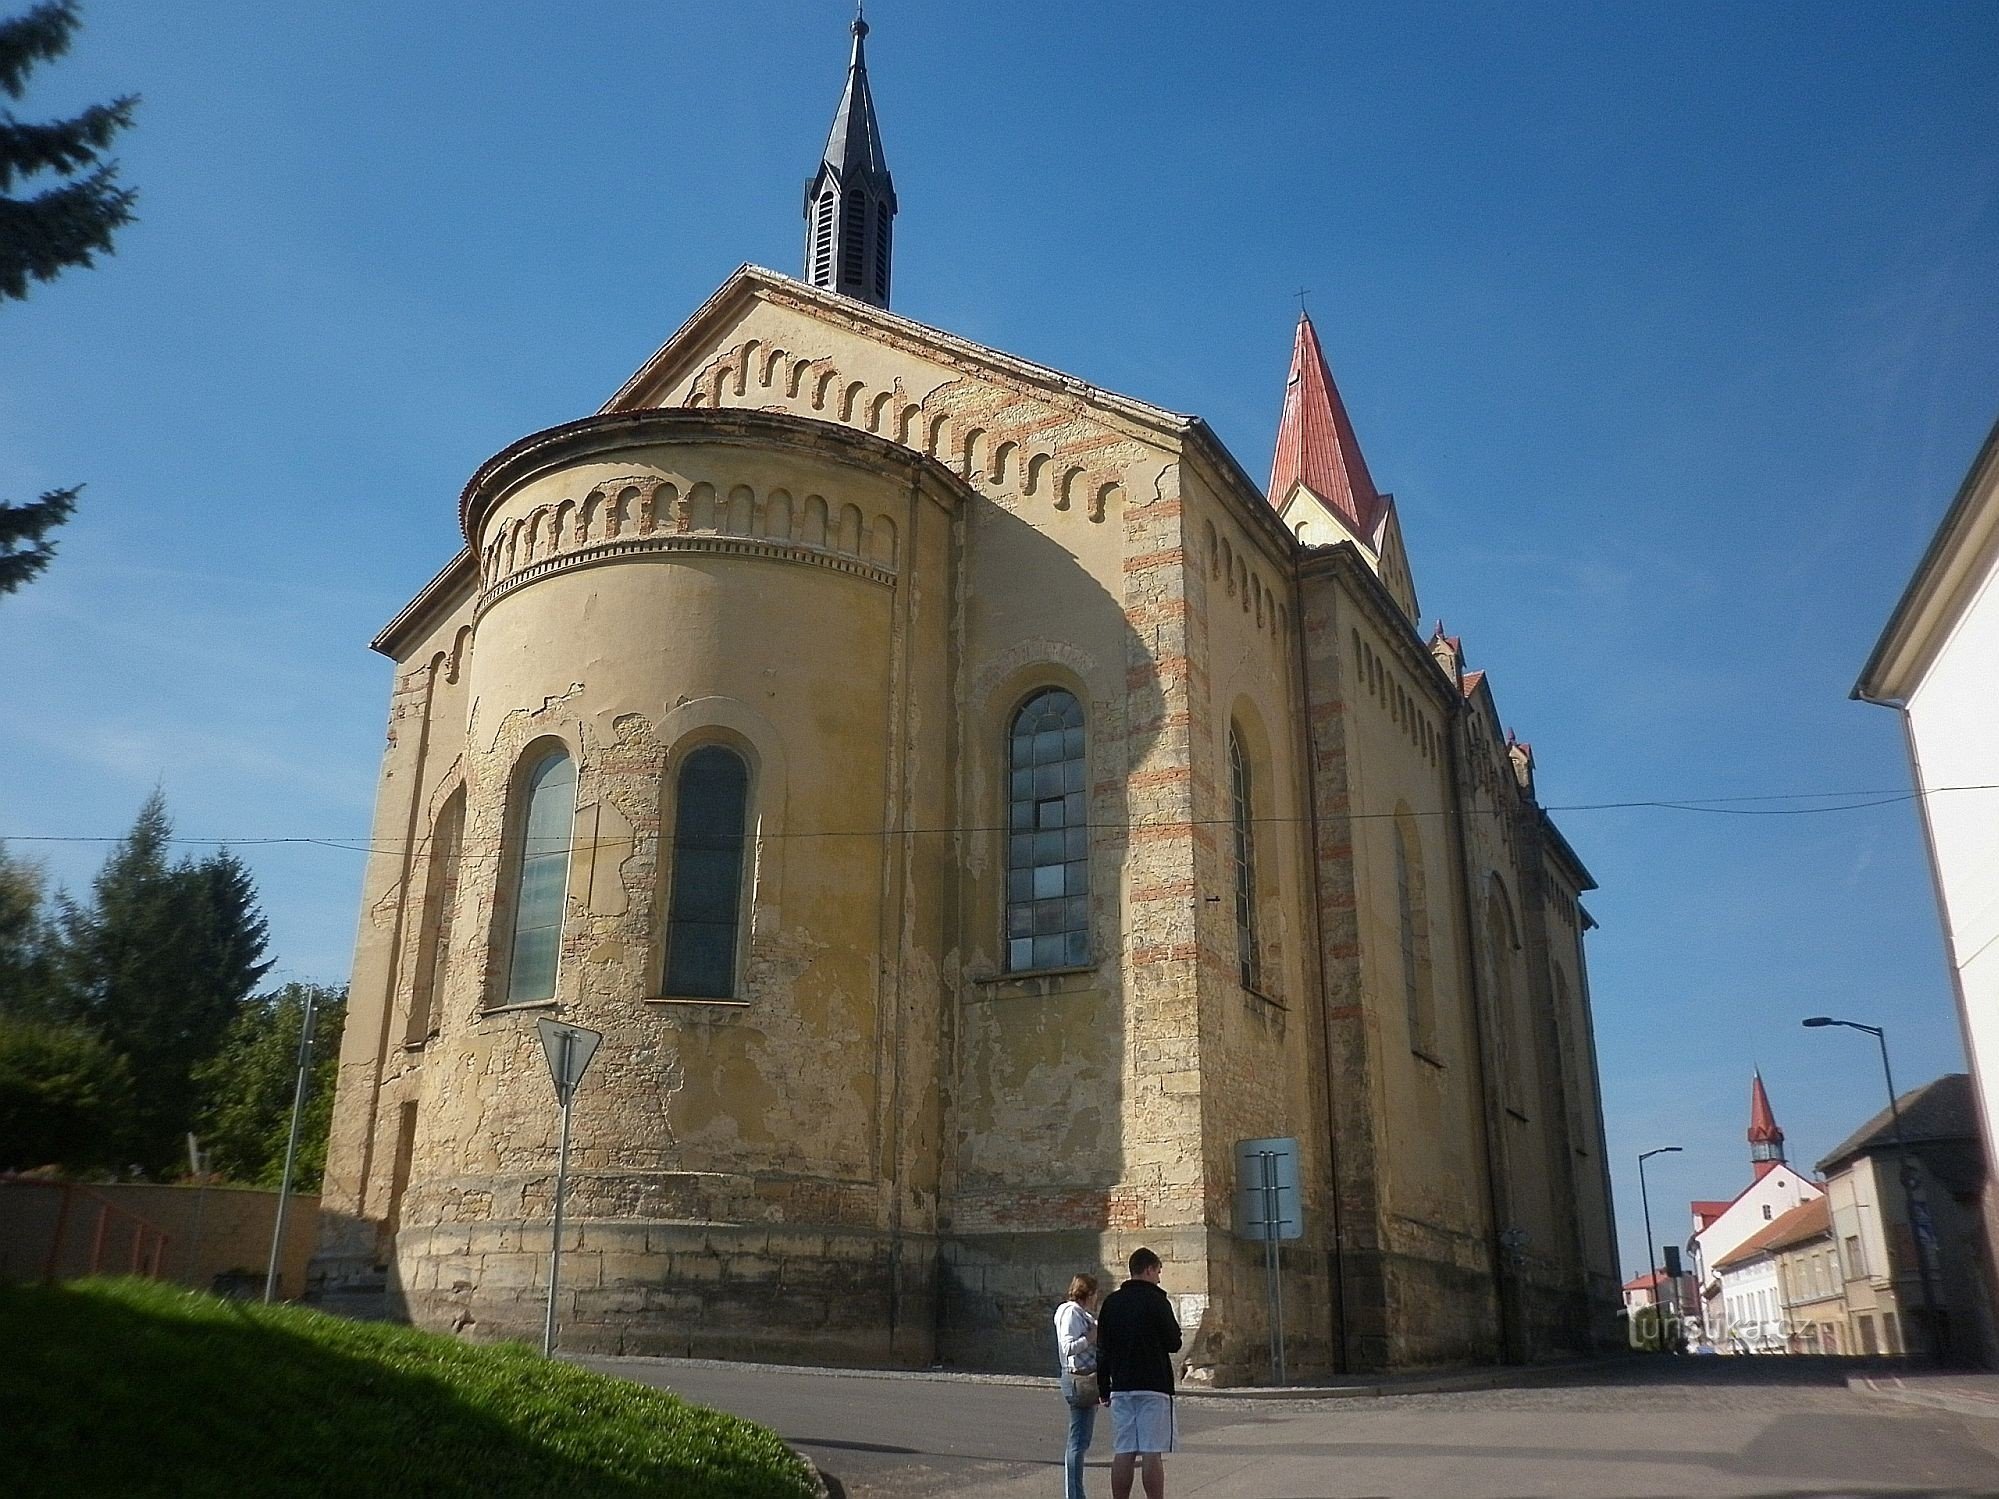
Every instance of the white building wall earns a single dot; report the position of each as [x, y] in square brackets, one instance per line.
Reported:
[1953, 719]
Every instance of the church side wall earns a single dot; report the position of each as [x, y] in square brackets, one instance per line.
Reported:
[1262, 1041]
[377, 1074]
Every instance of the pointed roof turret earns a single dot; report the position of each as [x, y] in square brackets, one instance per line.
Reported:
[1766, 1141]
[850, 200]
[1316, 446]
[854, 144]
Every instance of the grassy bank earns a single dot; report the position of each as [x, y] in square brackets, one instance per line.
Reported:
[130, 1388]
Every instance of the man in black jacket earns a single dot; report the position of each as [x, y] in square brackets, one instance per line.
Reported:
[1137, 1336]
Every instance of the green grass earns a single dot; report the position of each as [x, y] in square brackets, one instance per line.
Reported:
[128, 1387]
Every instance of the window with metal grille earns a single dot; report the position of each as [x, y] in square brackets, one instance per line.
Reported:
[542, 884]
[881, 253]
[1048, 837]
[822, 241]
[853, 241]
[1247, 960]
[705, 918]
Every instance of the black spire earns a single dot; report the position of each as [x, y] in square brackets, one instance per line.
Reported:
[850, 201]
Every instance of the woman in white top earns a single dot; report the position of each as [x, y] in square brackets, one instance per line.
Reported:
[1076, 1353]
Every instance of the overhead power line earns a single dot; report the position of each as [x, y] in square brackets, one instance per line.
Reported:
[1726, 806]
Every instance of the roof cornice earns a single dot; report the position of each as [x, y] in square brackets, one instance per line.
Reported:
[1965, 546]
[436, 597]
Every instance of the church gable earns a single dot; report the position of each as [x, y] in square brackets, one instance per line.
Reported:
[1027, 437]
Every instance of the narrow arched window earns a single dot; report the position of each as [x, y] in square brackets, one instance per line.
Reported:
[1048, 843]
[440, 901]
[1245, 863]
[541, 887]
[1413, 935]
[704, 920]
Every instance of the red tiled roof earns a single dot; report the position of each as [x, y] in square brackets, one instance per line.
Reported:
[1707, 1212]
[1472, 679]
[1316, 445]
[1808, 1220]
[1762, 1123]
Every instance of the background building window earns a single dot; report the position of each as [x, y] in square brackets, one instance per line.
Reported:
[1048, 843]
[1245, 864]
[544, 879]
[703, 927]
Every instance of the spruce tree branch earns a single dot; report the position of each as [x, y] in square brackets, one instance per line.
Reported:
[40, 34]
[43, 236]
[64, 146]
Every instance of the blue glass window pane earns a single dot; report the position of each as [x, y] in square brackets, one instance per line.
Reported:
[1045, 752]
[540, 885]
[1078, 879]
[709, 845]
[1079, 947]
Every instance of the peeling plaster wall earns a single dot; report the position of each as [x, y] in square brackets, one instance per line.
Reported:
[851, 551]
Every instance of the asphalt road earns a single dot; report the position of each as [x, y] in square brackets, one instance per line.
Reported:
[1674, 1429]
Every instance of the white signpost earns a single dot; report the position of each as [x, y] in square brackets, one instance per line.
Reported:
[569, 1049]
[1268, 1207]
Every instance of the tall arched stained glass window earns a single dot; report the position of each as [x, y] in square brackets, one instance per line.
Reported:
[1048, 838]
[1245, 863]
[550, 797]
[705, 918]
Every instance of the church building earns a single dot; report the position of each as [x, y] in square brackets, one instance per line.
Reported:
[968, 806]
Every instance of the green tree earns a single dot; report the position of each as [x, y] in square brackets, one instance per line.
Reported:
[63, 1096]
[43, 233]
[25, 941]
[158, 964]
[247, 1087]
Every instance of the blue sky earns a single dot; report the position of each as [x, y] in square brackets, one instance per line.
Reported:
[1670, 326]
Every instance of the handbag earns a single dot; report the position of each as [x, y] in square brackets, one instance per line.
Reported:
[1082, 1390]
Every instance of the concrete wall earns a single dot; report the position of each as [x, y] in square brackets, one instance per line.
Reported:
[216, 1236]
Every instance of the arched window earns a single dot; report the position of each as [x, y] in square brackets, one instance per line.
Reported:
[1413, 932]
[543, 882]
[1245, 863]
[1048, 844]
[440, 900]
[704, 921]
[1502, 941]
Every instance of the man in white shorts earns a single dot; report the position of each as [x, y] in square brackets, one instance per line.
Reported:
[1137, 1336]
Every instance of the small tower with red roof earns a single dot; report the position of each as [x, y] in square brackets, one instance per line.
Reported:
[1766, 1141]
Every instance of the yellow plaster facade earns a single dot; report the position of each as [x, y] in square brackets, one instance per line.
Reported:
[849, 548]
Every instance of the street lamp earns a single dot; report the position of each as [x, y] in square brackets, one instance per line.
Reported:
[1651, 1254]
[1932, 1313]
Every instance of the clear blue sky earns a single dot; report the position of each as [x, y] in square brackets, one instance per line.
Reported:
[1670, 326]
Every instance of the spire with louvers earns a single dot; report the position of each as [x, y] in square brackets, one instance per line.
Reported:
[850, 202]
[1316, 446]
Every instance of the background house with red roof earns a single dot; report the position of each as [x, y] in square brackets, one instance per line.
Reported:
[1720, 1228]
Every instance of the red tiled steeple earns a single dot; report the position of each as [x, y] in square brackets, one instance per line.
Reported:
[1316, 445]
[1766, 1141]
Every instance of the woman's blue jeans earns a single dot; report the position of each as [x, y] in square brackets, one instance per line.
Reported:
[1082, 1426]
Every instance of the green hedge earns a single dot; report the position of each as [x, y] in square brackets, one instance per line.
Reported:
[128, 1387]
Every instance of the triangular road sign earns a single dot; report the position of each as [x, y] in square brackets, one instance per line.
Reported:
[569, 1048]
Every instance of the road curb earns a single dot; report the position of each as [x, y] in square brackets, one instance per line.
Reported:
[1958, 1403]
[1509, 1376]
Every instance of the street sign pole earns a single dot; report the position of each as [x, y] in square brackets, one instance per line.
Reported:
[1273, 1262]
[291, 1148]
[569, 1049]
[568, 1045]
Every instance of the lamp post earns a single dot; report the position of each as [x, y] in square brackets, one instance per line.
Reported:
[1932, 1314]
[1651, 1254]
